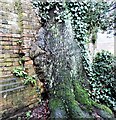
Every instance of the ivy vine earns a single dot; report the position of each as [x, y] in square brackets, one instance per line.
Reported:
[104, 89]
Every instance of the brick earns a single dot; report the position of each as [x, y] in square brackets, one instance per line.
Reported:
[9, 50]
[5, 38]
[15, 47]
[6, 43]
[14, 55]
[15, 63]
[8, 60]
[14, 43]
[6, 64]
[6, 55]
[1, 56]
[6, 47]
[5, 35]
[1, 60]
[27, 26]
[30, 62]
[7, 68]
[16, 35]
[27, 35]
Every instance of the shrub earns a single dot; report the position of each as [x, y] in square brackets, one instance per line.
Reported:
[103, 86]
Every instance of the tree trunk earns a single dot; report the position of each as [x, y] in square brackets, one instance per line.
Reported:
[58, 64]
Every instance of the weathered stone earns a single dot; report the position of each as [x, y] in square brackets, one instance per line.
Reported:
[4, 22]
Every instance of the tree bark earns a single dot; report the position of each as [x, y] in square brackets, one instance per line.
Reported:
[58, 64]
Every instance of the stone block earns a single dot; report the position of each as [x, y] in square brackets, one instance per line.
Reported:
[30, 62]
[1, 56]
[16, 35]
[6, 56]
[8, 64]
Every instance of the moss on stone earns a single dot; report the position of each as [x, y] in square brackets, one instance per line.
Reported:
[72, 105]
[54, 103]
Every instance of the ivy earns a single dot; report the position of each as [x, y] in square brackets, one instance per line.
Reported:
[103, 88]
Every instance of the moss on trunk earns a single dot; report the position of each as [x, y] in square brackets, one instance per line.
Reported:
[57, 109]
[60, 60]
[76, 104]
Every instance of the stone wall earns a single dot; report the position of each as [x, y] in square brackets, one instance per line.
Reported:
[17, 23]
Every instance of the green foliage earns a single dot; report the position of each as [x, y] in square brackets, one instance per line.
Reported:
[20, 72]
[84, 15]
[19, 42]
[30, 80]
[22, 60]
[103, 89]
[82, 95]
[28, 114]
[19, 118]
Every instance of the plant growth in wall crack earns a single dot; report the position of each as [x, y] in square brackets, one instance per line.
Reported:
[21, 70]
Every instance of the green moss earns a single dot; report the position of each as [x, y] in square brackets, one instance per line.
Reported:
[71, 104]
[102, 107]
[81, 95]
[74, 109]
[54, 103]
[57, 109]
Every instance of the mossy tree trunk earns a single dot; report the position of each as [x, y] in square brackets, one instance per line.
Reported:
[57, 61]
